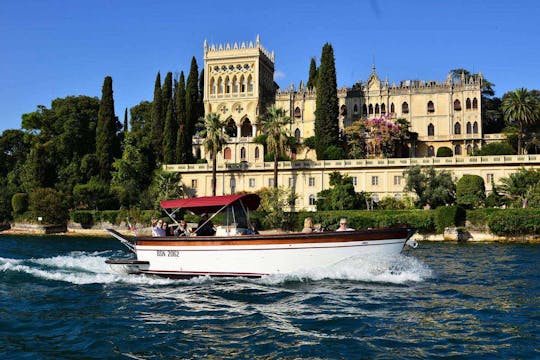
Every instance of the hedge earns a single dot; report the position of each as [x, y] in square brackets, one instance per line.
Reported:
[515, 222]
[448, 216]
[477, 219]
[19, 203]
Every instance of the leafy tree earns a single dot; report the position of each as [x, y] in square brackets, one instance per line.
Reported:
[326, 113]
[444, 151]
[13, 150]
[520, 106]
[192, 107]
[141, 122]
[107, 127]
[157, 120]
[341, 196]
[432, 188]
[214, 139]
[182, 134]
[470, 191]
[496, 148]
[166, 185]
[312, 80]
[92, 195]
[274, 202]
[274, 124]
[48, 204]
[520, 187]
[19, 203]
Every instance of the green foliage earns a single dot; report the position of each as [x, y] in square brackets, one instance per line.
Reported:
[515, 222]
[341, 196]
[169, 137]
[156, 138]
[312, 80]
[274, 125]
[192, 107]
[48, 204]
[214, 140]
[166, 185]
[391, 203]
[326, 113]
[310, 142]
[496, 148]
[521, 108]
[448, 216]
[94, 195]
[6, 193]
[19, 203]
[470, 191]
[432, 188]
[334, 152]
[444, 151]
[180, 107]
[522, 188]
[107, 127]
[82, 217]
[274, 201]
[477, 219]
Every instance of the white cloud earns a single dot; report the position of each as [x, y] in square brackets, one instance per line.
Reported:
[279, 75]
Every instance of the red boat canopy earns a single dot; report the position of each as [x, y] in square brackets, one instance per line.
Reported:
[212, 204]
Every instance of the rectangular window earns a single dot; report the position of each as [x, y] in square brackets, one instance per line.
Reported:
[292, 182]
[354, 180]
[397, 179]
[374, 180]
[194, 183]
[311, 181]
[270, 182]
[490, 178]
[252, 182]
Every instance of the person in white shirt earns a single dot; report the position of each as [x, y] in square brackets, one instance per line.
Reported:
[157, 228]
[343, 225]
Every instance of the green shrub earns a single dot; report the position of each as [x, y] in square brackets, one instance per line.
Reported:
[444, 151]
[496, 148]
[514, 222]
[478, 219]
[334, 152]
[19, 203]
[48, 204]
[470, 191]
[448, 216]
[83, 217]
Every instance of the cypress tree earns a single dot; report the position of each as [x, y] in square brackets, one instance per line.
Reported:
[106, 130]
[180, 105]
[169, 136]
[125, 121]
[166, 94]
[192, 107]
[326, 112]
[312, 80]
[157, 121]
[201, 94]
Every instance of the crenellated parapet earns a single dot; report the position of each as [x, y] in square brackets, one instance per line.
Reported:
[227, 48]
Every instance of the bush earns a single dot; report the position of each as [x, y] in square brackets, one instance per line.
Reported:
[448, 216]
[19, 203]
[478, 219]
[512, 222]
[334, 152]
[497, 148]
[444, 151]
[85, 218]
[470, 191]
[48, 204]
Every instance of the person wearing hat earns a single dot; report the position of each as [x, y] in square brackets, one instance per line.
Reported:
[205, 226]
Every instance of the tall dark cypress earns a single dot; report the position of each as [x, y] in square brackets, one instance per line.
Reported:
[125, 121]
[326, 112]
[157, 121]
[312, 80]
[169, 136]
[201, 94]
[192, 107]
[106, 130]
[180, 105]
[166, 94]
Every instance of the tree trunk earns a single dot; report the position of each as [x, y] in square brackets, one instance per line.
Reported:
[275, 168]
[520, 137]
[214, 177]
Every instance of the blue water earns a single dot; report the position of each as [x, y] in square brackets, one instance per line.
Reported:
[441, 300]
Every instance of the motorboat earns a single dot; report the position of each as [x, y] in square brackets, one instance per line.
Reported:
[235, 251]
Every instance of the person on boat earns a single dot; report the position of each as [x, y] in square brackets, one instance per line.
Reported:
[343, 225]
[308, 225]
[182, 229]
[252, 229]
[205, 226]
[167, 229]
[157, 227]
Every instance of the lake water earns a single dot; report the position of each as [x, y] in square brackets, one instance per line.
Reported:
[441, 300]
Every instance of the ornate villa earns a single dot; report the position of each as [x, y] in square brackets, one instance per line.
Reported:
[239, 83]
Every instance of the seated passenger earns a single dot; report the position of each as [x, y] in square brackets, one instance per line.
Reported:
[205, 226]
[157, 228]
[308, 225]
[182, 229]
[343, 225]
[252, 229]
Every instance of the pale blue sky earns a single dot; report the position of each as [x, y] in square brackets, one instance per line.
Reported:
[53, 49]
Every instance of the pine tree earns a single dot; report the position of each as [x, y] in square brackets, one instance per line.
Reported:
[169, 136]
[106, 130]
[180, 105]
[312, 80]
[326, 112]
[157, 120]
[192, 107]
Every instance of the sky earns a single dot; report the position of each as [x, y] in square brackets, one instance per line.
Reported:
[53, 49]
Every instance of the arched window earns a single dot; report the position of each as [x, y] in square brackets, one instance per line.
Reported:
[227, 153]
[383, 109]
[198, 153]
[343, 110]
[430, 107]
[457, 149]
[469, 128]
[235, 84]
[257, 154]
[297, 112]
[457, 105]
[220, 86]
[431, 151]
[311, 199]
[457, 128]
[405, 108]
[364, 110]
[431, 130]
[475, 147]
[212, 86]
[475, 128]
[250, 83]
[242, 84]
[227, 85]
[392, 108]
[469, 149]
[468, 104]
[370, 107]
[246, 130]
[243, 153]
[475, 103]
[293, 154]
[355, 109]
[231, 129]
[297, 134]
[377, 109]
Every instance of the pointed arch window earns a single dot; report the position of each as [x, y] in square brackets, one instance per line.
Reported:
[231, 129]
[392, 108]
[457, 149]
[250, 83]
[431, 151]
[430, 107]
[469, 128]
[257, 153]
[297, 134]
[227, 153]
[475, 128]
[364, 110]
[212, 86]
[311, 199]
[243, 153]
[383, 109]
[457, 105]
[405, 108]
[370, 109]
[220, 85]
[227, 85]
[297, 112]
[431, 130]
[377, 111]
[457, 128]
[469, 149]
[235, 84]
[246, 130]
[468, 104]
[475, 104]
[355, 109]
[343, 110]
[242, 84]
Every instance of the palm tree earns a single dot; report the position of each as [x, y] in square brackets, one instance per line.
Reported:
[214, 139]
[274, 125]
[520, 106]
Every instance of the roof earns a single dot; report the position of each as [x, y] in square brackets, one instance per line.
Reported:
[212, 204]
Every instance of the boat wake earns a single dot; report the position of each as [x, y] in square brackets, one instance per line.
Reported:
[82, 268]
